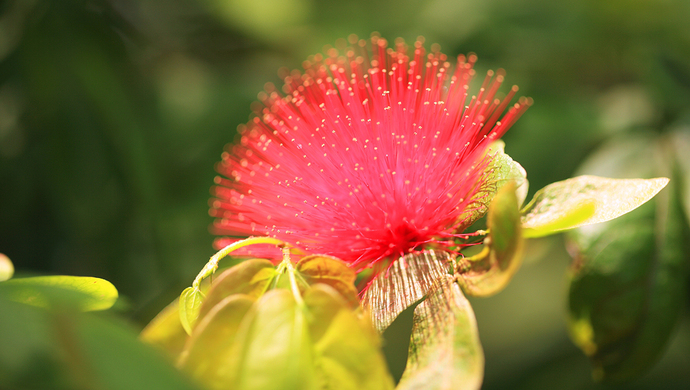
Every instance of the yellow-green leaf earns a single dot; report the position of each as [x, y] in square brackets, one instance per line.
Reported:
[211, 353]
[406, 281]
[165, 330]
[6, 268]
[585, 200]
[275, 351]
[505, 170]
[347, 349]
[502, 169]
[83, 292]
[249, 277]
[490, 271]
[504, 227]
[331, 271]
[190, 303]
[445, 352]
[575, 216]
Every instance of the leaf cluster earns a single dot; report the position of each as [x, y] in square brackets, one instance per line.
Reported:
[261, 326]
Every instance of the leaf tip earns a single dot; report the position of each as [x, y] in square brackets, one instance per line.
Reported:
[661, 182]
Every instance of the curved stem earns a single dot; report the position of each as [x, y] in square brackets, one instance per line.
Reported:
[212, 264]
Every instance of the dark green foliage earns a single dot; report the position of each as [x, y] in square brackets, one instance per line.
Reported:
[56, 346]
[629, 279]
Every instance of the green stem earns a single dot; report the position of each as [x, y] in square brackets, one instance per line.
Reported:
[291, 274]
[212, 264]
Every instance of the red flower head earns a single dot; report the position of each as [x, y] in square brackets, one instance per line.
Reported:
[368, 156]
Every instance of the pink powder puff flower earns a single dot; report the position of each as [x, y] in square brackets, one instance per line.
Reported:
[367, 156]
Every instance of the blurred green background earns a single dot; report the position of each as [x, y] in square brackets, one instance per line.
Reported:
[113, 113]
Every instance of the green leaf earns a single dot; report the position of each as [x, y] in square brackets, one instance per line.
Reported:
[502, 169]
[490, 271]
[505, 170]
[119, 360]
[211, 355]
[274, 351]
[406, 281]
[585, 200]
[6, 268]
[445, 352]
[275, 343]
[190, 304]
[331, 271]
[83, 292]
[628, 281]
[165, 330]
[60, 348]
[504, 227]
[347, 349]
[626, 291]
[250, 277]
[568, 219]
[680, 141]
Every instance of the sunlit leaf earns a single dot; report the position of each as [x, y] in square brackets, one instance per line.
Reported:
[585, 200]
[491, 270]
[406, 281]
[6, 268]
[445, 352]
[502, 170]
[331, 271]
[505, 170]
[573, 217]
[347, 350]
[250, 277]
[166, 331]
[83, 292]
[275, 350]
[190, 304]
[323, 304]
[628, 282]
[210, 354]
